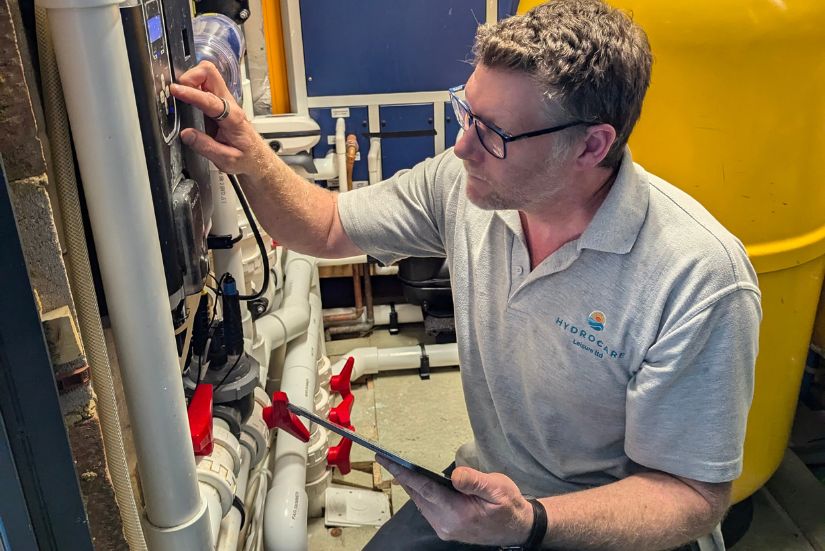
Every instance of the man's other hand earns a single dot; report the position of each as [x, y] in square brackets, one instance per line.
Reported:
[487, 509]
[232, 143]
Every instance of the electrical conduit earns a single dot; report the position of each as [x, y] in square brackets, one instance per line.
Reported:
[92, 59]
[83, 290]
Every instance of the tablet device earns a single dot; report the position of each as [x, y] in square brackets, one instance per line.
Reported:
[370, 445]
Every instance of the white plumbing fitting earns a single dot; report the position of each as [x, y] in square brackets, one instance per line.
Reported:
[255, 433]
[317, 453]
[322, 402]
[316, 494]
[324, 372]
[219, 468]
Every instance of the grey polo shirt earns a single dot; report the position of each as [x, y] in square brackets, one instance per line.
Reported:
[627, 349]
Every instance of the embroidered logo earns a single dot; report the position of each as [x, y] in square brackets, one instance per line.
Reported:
[596, 320]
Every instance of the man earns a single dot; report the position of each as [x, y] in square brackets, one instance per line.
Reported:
[607, 324]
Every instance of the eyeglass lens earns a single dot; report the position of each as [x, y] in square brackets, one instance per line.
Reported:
[490, 139]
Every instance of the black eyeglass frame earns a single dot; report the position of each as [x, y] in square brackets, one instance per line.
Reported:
[505, 136]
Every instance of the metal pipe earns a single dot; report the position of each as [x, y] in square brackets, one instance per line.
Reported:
[354, 313]
[352, 152]
[91, 56]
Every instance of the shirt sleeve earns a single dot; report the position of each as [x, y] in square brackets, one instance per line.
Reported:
[687, 406]
[399, 217]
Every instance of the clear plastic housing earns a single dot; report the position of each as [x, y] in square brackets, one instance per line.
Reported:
[220, 40]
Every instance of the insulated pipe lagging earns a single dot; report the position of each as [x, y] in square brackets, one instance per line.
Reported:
[83, 290]
[91, 55]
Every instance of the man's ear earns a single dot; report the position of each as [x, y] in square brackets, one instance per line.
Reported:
[597, 142]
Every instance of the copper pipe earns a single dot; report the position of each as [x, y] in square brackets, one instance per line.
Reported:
[368, 293]
[352, 151]
[353, 313]
[369, 324]
[360, 328]
[356, 287]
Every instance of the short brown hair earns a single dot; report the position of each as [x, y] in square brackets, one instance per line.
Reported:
[589, 56]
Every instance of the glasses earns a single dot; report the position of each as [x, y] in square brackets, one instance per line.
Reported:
[493, 138]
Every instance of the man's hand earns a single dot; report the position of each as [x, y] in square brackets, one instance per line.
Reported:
[488, 509]
[232, 143]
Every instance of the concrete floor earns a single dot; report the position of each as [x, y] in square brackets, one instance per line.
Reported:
[426, 421]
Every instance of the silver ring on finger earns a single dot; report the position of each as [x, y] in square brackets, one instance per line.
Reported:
[225, 112]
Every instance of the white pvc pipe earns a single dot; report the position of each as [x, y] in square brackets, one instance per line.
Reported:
[230, 531]
[225, 222]
[213, 505]
[362, 259]
[386, 270]
[374, 161]
[230, 527]
[316, 293]
[407, 313]
[341, 154]
[246, 92]
[285, 516]
[371, 360]
[290, 320]
[326, 167]
[92, 59]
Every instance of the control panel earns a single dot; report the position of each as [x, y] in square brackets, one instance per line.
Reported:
[161, 68]
[159, 41]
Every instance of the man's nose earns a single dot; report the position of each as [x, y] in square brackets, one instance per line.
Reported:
[467, 145]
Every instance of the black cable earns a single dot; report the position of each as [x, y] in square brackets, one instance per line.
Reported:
[231, 369]
[258, 239]
[210, 331]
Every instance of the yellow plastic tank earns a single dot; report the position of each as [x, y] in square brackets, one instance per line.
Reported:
[735, 116]
[818, 338]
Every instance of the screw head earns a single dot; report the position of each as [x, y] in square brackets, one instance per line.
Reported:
[244, 14]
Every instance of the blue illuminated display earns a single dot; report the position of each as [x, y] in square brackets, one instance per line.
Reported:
[155, 28]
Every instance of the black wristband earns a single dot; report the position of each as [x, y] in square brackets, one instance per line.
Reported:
[539, 529]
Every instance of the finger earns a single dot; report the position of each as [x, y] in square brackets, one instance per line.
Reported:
[431, 512]
[386, 463]
[223, 156]
[206, 77]
[209, 103]
[471, 482]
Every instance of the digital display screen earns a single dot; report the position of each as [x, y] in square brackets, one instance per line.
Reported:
[155, 28]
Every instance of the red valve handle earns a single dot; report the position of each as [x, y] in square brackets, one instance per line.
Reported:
[278, 416]
[338, 456]
[200, 420]
[341, 383]
[342, 413]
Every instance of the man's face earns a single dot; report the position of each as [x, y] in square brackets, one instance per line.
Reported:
[535, 169]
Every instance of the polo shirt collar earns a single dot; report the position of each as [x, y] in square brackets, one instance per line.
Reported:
[617, 223]
[619, 220]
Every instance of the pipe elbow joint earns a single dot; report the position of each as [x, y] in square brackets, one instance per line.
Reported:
[285, 518]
